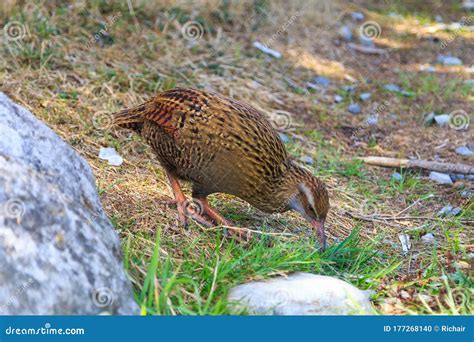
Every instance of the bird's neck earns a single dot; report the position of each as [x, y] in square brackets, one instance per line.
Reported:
[287, 188]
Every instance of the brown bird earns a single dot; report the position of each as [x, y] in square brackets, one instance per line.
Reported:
[223, 145]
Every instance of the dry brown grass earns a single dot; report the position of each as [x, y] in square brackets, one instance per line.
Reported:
[73, 87]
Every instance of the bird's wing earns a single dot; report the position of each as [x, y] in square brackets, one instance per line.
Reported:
[172, 109]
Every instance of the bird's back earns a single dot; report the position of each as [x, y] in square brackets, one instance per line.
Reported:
[220, 144]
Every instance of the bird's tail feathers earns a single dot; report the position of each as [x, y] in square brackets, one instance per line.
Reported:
[132, 118]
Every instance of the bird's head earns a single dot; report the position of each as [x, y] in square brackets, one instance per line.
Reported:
[311, 199]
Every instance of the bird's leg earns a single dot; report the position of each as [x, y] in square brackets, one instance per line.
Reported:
[185, 207]
[242, 235]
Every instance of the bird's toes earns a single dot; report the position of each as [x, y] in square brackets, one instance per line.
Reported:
[202, 220]
[242, 235]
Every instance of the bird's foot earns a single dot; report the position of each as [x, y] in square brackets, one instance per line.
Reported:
[242, 235]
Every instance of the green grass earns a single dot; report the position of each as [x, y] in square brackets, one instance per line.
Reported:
[197, 281]
[179, 271]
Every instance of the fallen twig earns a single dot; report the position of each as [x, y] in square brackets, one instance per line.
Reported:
[422, 164]
[367, 49]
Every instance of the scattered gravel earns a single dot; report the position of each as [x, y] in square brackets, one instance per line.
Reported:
[428, 239]
[392, 87]
[405, 241]
[442, 119]
[463, 151]
[307, 160]
[267, 50]
[429, 118]
[440, 178]
[449, 211]
[357, 16]
[354, 108]
[346, 33]
[365, 96]
[396, 177]
[283, 137]
[321, 81]
[111, 155]
[448, 60]
[337, 98]
[372, 120]
[349, 88]
[457, 176]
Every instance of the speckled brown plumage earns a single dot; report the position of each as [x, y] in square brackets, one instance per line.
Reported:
[223, 145]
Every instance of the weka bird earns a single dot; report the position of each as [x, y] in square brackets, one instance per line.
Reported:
[223, 145]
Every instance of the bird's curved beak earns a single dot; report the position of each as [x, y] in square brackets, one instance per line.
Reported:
[318, 226]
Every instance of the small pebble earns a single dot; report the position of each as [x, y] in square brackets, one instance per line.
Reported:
[111, 155]
[428, 239]
[365, 96]
[404, 294]
[467, 193]
[449, 211]
[449, 60]
[322, 81]
[337, 98]
[283, 137]
[366, 41]
[267, 50]
[346, 33]
[463, 151]
[440, 178]
[442, 119]
[357, 16]
[307, 160]
[427, 68]
[396, 177]
[405, 241]
[456, 176]
[392, 87]
[354, 108]
[407, 93]
[372, 120]
[470, 177]
[438, 18]
[429, 119]
[349, 88]
[468, 4]
[470, 146]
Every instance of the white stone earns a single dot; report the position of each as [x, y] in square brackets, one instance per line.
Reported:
[111, 155]
[300, 294]
[267, 50]
[428, 239]
[405, 241]
[441, 178]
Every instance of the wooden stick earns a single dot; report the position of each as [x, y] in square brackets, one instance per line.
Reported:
[367, 49]
[421, 164]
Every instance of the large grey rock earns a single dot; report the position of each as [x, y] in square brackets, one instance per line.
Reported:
[300, 294]
[59, 254]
